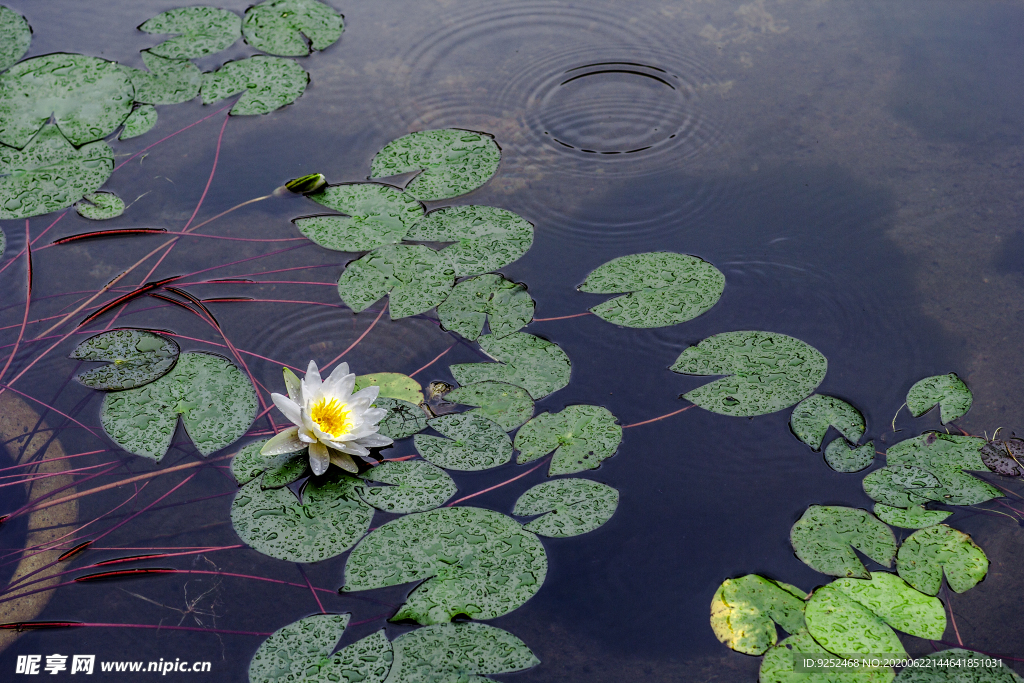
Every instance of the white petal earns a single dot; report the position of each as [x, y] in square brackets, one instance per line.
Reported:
[311, 383]
[374, 415]
[344, 461]
[284, 442]
[319, 459]
[293, 384]
[375, 441]
[336, 378]
[306, 436]
[289, 408]
[350, 447]
[362, 399]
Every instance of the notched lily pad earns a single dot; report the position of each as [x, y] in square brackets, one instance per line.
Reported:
[295, 651]
[846, 628]
[767, 372]
[582, 437]
[415, 487]
[949, 391]
[568, 507]
[946, 456]
[15, 37]
[136, 358]
[744, 612]
[894, 601]
[459, 652]
[139, 122]
[285, 469]
[913, 517]
[663, 288]
[403, 419]
[779, 665]
[842, 456]
[902, 486]
[282, 27]
[503, 304]
[249, 463]
[815, 414]
[452, 161]
[535, 364]
[958, 666]
[266, 84]
[200, 31]
[474, 443]
[414, 277]
[392, 385]
[486, 238]
[168, 81]
[100, 206]
[477, 563]
[375, 215]
[823, 535]
[506, 404]
[1004, 457]
[924, 556]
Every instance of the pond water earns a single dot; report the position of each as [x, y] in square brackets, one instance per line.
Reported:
[853, 169]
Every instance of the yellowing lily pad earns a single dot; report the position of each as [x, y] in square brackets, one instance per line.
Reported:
[415, 486]
[503, 304]
[452, 161]
[392, 385]
[375, 215]
[568, 507]
[744, 612]
[924, 556]
[506, 404]
[457, 653]
[266, 84]
[814, 415]
[199, 31]
[486, 238]
[949, 391]
[475, 443]
[823, 535]
[15, 37]
[581, 436]
[136, 358]
[414, 277]
[282, 27]
[535, 364]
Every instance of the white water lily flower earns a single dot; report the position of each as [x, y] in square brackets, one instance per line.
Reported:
[332, 421]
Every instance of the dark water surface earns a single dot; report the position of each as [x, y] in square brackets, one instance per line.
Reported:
[854, 169]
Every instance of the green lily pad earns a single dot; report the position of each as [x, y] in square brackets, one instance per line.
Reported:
[946, 456]
[215, 400]
[475, 443]
[897, 604]
[902, 486]
[285, 469]
[414, 277]
[457, 653]
[504, 304]
[375, 215]
[1003, 457]
[15, 37]
[506, 404]
[823, 535]
[913, 517]
[568, 507]
[138, 123]
[767, 372]
[842, 456]
[582, 436]
[168, 81]
[475, 562]
[949, 391]
[392, 385]
[846, 628]
[744, 612]
[87, 97]
[535, 364]
[664, 288]
[452, 161]
[415, 487]
[3, 242]
[958, 666]
[100, 206]
[924, 556]
[282, 27]
[266, 84]
[486, 238]
[328, 521]
[781, 664]
[367, 661]
[199, 31]
[403, 419]
[294, 652]
[136, 358]
[50, 174]
[815, 414]
[249, 463]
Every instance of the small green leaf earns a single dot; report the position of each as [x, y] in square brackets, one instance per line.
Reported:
[779, 665]
[815, 414]
[138, 123]
[1003, 457]
[949, 391]
[266, 84]
[486, 238]
[168, 81]
[504, 304]
[375, 215]
[475, 443]
[572, 507]
[392, 385]
[924, 556]
[535, 364]
[136, 358]
[902, 486]
[416, 487]
[582, 437]
[506, 404]
[823, 535]
[294, 652]
[452, 161]
[15, 37]
[285, 469]
[847, 628]
[282, 27]
[249, 463]
[414, 277]
[767, 372]
[958, 666]
[841, 455]
[744, 612]
[897, 604]
[100, 206]
[946, 456]
[457, 653]
[472, 562]
[403, 419]
[199, 31]
[913, 517]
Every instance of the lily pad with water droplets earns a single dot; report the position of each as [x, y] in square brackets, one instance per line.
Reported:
[767, 372]
[415, 487]
[199, 31]
[100, 206]
[375, 215]
[168, 81]
[946, 456]
[15, 37]
[328, 521]
[456, 653]
[744, 612]
[535, 364]
[475, 443]
[486, 238]
[846, 628]
[414, 277]
[902, 486]
[779, 665]
[506, 404]
[282, 27]
[136, 358]
[924, 556]
[403, 419]
[503, 304]
[948, 391]
[392, 385]
[87, 97]
[823, 535]
[958, 666]
[663, 288]
[893, 600]
[216, 402]
[285, 469]
[815, 414]
[452, 161]
[913, 517]
[568, 507]
[138, 122]
[581, 436]
[266, 84]
[249, 463]
[477, 563]
[1004, 457]
[295, 651]
[842, 456]
[50, 174]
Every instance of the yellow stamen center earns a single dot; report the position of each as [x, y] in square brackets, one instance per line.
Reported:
[331, 416]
